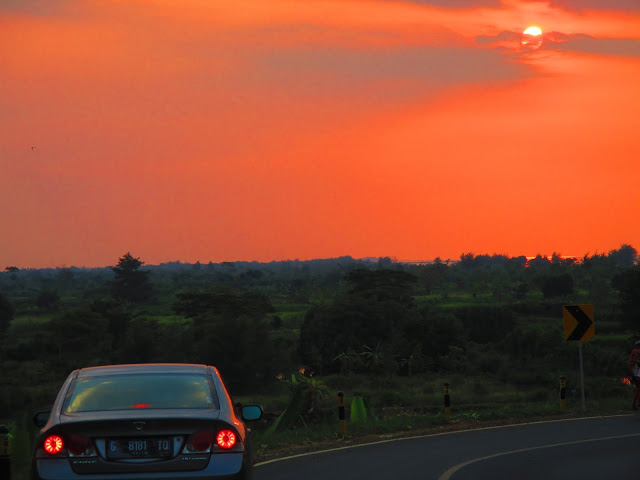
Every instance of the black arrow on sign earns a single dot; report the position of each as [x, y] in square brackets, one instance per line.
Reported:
[584, 322]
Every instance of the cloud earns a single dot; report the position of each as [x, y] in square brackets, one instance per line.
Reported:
[582, 5]
[331, 72]
[558, 41]
[458, 3]
[503, 39]
[41, 8]
[587, 44]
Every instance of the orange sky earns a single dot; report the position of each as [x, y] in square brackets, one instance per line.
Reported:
[265, 130]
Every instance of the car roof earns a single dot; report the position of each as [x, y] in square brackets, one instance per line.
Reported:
[179, 368]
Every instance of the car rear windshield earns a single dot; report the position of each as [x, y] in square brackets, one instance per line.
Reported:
[140, 391]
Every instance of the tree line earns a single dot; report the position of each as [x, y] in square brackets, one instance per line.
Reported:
[479, 315]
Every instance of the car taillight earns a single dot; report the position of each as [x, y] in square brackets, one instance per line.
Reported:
[53, 444]
[79, 445]
[199, 442]
[226, 439]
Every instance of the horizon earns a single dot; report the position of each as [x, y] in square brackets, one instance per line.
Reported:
[277, 129]
[370, 259]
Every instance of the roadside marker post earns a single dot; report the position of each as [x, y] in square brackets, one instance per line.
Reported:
[563, 392]
[447, 402]
[341, 416]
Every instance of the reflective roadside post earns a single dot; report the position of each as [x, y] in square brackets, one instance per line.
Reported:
[447, 402]
[563, 393]
[5, 453]
[341, 416]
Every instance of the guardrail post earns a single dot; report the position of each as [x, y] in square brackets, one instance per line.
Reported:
[563, 393]
[341, 416]
[447, 402]
[5, 453]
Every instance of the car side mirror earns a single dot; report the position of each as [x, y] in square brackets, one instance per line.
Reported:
[40, 419]
[251, 412]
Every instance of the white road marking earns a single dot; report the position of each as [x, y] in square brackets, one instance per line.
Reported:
[348, 447]
[447, 475]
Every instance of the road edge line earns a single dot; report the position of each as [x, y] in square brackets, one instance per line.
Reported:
[448, 473]
[397, 439]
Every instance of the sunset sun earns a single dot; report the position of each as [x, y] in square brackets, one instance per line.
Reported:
[532, 37]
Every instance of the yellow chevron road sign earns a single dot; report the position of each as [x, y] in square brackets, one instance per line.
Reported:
[578, 322]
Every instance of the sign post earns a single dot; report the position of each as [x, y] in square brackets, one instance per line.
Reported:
[584, 404]
[579, 327]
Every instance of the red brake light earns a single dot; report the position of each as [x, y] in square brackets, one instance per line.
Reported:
[226, 439]
[141, 405]
[201, 441]
[53, 444]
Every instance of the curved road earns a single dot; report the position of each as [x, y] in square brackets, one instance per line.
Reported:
[594, 448]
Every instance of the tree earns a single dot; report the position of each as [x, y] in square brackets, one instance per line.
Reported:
[13, 271]
[484, 323]
[6, 314]
[628, 284]
[76, 338]
[467, 260]
[432, 276]
[385, 262]
[117, 317]
[65, 278]
[432, 334]
[540, 262]
[374, 357]
[625, 256]
[521, 290]
[240, 347]
[367, 314]
[230, 331]
[141, 342]
[222, 301]
[557, 285]
[47, 300]
[380, 285]
[130, 282]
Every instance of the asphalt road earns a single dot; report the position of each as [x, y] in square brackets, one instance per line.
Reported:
[602, 448]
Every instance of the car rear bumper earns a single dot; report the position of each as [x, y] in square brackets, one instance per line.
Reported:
[221, 467]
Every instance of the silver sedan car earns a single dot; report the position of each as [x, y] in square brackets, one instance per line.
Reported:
[145, 421]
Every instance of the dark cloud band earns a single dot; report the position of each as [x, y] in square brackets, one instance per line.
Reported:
[580, 42]
[582, 5]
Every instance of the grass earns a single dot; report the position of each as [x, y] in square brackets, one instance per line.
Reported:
[29, 321]
[406, 406]
[310, 437]
[172, 319]
[292, 315]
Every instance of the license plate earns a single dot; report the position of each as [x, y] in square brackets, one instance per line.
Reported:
[149, 447]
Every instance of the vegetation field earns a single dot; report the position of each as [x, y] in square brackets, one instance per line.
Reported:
[291, 335]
